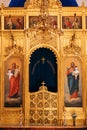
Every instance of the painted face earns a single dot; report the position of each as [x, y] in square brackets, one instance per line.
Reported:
[72, 64]
[14, 66]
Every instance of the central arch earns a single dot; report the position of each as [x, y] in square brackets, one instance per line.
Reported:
[43, 67]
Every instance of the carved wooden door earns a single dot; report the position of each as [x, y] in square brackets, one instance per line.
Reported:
[43, 107]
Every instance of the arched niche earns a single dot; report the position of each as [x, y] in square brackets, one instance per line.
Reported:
[43, 67]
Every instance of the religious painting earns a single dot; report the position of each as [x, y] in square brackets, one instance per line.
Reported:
[35, 20]
[14, 22]
[13, 82]
[72, 22]
[73, 83]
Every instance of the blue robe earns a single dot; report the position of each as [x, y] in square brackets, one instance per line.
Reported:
[20, 3]
[73, 83]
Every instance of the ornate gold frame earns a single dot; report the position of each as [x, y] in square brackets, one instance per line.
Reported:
[26, 44]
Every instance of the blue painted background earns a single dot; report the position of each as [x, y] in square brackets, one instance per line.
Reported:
[43, 70]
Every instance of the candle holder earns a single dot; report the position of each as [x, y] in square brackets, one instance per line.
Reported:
[21, 118]
[74, 118]
[64, 123]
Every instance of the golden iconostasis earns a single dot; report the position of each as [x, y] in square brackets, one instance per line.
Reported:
[43, 65]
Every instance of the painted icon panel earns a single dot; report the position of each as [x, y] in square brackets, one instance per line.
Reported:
[13, 82]
[14, 22]
[35, 20]
[72, 22]
[73, 83]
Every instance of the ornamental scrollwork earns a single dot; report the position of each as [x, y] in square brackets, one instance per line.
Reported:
[38, 3]
[43, 107]
[15, 50]
[72, 48]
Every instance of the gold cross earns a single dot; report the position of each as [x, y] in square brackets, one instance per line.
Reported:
[43, 60]
[43, 83]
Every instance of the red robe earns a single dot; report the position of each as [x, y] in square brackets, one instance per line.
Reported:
[14, 85]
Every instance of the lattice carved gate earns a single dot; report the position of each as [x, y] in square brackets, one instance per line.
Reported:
[43, 107]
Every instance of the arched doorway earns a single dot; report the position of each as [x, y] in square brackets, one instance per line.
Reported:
[43, 96]
[43, 67]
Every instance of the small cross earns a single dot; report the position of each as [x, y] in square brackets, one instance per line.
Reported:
[43, 60]
[43, 83]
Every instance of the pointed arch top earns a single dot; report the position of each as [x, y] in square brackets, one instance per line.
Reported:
[53, 50]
